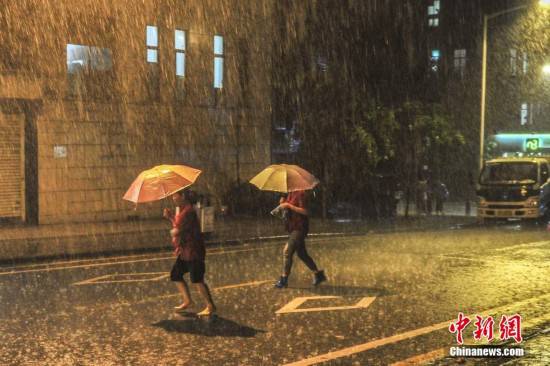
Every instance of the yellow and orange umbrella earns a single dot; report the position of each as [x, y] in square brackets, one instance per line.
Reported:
[160, 182]
[284, 178]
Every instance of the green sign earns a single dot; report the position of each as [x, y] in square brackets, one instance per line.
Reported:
[532, 144]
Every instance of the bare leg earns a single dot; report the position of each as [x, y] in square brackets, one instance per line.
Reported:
[204, 291]
[184, 291]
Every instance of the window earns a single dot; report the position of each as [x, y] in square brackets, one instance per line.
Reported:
[434, 60]
[460, 61]
[89, 58]
[433, 14]
[89, 70]
[218, 62]
[524, 114]
[513, 61]
[152, 42]
[179, 45]
[525, 63]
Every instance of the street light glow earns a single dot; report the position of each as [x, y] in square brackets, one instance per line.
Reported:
[546, 69]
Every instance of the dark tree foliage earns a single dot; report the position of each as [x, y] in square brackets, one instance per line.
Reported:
[350, 76]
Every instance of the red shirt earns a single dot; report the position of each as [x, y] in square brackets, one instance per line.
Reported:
[189, 244]
[296, 221]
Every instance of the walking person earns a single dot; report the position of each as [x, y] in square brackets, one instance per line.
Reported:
[441, 194]
[297, 225]
[190, 251]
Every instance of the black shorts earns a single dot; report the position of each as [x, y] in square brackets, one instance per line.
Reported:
[196, 270]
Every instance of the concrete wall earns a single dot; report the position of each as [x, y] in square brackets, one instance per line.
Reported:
[113, 129]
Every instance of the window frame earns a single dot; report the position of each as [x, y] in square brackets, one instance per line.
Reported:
[150, 47]
[218, 57]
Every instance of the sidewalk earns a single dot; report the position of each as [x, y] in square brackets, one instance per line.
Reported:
[23, 243]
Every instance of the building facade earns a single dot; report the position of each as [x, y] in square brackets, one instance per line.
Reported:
[95, 92]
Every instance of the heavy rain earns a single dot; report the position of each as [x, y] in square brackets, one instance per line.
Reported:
[274, 182]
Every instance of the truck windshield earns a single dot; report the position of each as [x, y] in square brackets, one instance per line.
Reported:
[509, 173]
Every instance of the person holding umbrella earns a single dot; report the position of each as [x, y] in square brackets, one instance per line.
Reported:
[190, 252]
[163, 181]
[297, 225]
[293, 180]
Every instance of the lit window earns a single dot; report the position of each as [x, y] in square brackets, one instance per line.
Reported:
[433, 22]
[460, 61]
[513, 61]
[435, 56]
[525, 63]
[218, 62]
[433, 13]
[152, 44]
[89, 70]
[81, 58]
[524, 114]
[179, 45]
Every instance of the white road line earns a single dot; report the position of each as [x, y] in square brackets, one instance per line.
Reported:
[161, 297]
[91, 265]
[444, 352]
[102, 279]
[403, 336]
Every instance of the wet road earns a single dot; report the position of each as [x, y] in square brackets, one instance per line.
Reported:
[389, 299]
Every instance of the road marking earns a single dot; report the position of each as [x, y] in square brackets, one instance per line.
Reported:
[146, 276]
[292, 307]
[444, 352]
[405, 335]
[209, 253]
[161, 297]
[91, 265]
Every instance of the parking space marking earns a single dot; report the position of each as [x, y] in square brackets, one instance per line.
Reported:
[293, 306]
[406, 335]
[111, 278]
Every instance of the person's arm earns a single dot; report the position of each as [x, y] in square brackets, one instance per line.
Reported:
[298, 208]
[168, 214]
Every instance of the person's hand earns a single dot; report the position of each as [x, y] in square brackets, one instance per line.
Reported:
[284, 205]
[174, 232]
[167, 213]
[281, 200]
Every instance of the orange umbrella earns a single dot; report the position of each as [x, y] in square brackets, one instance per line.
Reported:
[284, 178]
[160, 182]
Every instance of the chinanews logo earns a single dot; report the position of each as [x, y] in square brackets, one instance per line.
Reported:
[509, 329]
